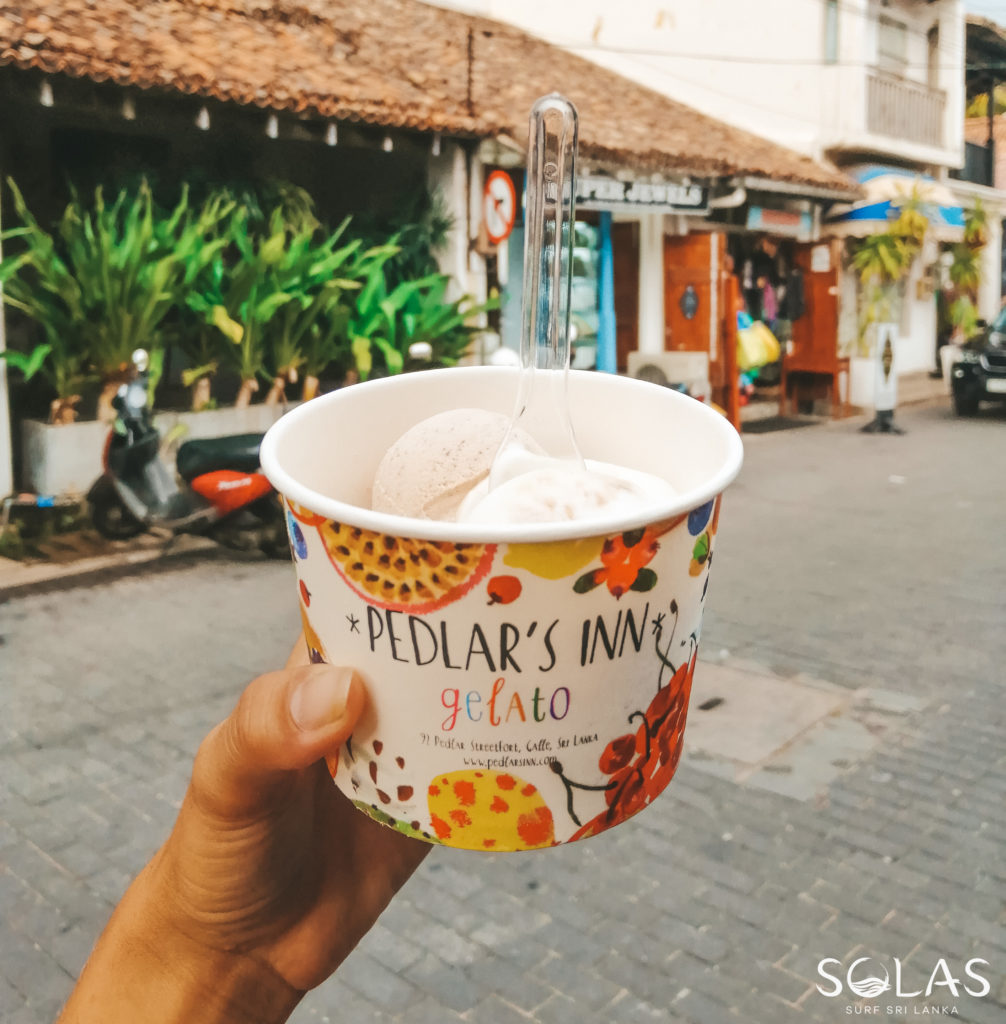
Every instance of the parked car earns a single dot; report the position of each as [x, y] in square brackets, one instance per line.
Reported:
[979, 374]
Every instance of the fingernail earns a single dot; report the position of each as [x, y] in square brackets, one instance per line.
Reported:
[320, 699]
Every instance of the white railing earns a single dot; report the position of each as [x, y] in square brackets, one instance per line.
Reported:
[902, 109]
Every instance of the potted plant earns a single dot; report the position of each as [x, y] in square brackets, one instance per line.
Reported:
[240, 297]
[105, 287]
[319, 277]
[37, 282]
[965, 273]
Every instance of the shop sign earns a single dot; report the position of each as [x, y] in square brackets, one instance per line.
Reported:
[820, 259]
[791, 223]
[609, 193]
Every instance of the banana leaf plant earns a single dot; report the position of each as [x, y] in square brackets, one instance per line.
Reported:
[882, 261]
[446, 327]
[327, 343]
[105, 284]
[239, 297]
[132, 265]
[414, 314]
[190, 332]
[319, 277]
[976, 226]
[374, 322]
[38, 282]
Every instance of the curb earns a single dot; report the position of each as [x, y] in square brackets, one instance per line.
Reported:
[18, 580]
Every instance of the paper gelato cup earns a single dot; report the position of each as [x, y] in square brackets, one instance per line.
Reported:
[528, 684]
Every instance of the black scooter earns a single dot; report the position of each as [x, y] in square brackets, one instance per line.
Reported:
[218, 489]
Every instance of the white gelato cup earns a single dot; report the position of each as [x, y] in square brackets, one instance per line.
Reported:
[528, 683]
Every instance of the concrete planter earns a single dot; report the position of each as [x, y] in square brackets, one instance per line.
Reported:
[67, 459]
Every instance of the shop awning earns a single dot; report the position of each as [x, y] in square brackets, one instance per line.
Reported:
[886, 189]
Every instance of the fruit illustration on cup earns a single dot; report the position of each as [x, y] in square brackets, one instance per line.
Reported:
[503, 589]
[485, 809]
[638, 765]
[623, 564]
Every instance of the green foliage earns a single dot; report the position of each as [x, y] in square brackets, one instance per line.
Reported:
[246, 279]
[104, 282]
[38, 282]
[419, 226]
[387, 324]
[979, 105]
[976, 224]
[321, 278]
[239, 297]
[883, 261]
[883, 258]
[963, 314]
[965, 271]
[29, 363]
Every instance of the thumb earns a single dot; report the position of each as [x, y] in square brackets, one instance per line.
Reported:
[284, 722]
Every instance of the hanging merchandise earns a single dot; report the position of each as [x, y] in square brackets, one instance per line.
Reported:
[769, 306]
[756, 345]
[795, 304]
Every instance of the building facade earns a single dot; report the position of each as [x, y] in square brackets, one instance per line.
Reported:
[867, 85]
[367, 103]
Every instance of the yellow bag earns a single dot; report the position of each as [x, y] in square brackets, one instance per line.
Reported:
[756, 346]
[769, 341]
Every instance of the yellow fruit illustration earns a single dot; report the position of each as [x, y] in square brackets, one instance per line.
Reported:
[555, 560]
[489, 810]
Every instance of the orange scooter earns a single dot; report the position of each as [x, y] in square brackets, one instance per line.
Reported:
[217, 489]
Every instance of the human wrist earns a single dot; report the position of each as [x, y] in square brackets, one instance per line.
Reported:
[146, 967]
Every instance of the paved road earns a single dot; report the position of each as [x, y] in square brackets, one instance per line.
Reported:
[869, 569]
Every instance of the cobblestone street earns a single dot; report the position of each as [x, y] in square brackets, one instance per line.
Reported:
[864, 572]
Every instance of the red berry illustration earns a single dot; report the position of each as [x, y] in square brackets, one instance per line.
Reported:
[503, 589]
[305, 593]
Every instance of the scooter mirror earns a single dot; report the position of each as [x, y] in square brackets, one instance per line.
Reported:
[141, 360]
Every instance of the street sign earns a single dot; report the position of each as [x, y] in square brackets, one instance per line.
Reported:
[499, 206]
[885, 381]
[886, 369]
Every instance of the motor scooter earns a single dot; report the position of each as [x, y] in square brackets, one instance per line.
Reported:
[217, 489]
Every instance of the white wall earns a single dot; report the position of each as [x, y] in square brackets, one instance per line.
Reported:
[458, 178]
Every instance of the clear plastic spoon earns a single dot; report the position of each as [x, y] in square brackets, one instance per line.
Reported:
[541, 410]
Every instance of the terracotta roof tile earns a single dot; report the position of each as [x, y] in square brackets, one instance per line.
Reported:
[393, 63]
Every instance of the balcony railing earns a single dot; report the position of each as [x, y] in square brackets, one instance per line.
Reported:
[902, 109]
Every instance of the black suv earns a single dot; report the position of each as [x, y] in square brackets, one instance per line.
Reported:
[980, 373]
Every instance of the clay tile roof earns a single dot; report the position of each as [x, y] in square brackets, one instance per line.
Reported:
[393, 63]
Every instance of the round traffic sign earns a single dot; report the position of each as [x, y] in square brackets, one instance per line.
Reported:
[499, 206]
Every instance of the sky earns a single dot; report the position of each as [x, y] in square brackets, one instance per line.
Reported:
[994, 9]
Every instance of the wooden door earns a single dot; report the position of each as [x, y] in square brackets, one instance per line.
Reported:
[625, 266]
[700, 310]
[690, 298]
[815, 333]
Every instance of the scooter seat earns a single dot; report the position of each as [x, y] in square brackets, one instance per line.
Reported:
[206, 455]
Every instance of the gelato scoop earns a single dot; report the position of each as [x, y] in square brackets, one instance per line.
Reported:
[556, 491]
[430, 469]
[439, 469]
